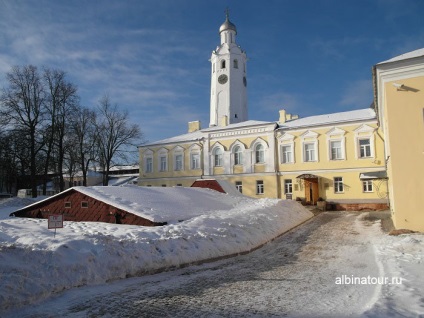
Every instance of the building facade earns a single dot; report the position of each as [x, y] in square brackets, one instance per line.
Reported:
[335, 157]
[399, 97]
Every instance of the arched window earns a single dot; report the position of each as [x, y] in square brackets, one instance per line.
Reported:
[218, 157]
[235, 64]
[259, 154]
[223, 64]
[238, 159]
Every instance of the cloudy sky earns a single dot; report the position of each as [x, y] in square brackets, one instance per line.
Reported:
[151, 57]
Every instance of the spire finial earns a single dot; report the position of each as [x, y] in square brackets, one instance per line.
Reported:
[227, 13]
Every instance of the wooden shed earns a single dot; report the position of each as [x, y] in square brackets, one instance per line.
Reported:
[78, 204]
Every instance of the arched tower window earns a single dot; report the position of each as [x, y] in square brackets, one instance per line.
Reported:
[235, 64]
[223, 64]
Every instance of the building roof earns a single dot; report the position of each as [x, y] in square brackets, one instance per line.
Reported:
[199, 134]
[328, 119]
[405, 56]
[157, 204]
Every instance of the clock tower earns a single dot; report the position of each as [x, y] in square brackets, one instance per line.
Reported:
[228, 79]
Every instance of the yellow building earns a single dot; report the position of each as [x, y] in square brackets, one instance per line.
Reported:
[399, 97]
[336, 157]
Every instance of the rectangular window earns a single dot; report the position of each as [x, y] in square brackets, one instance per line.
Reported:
[239, 186]
[164, 185]
[260, 187]
[286, 154]
[288, 186]
[163, 164]
[364, 148]
[149, 165]
[336, 150]
[67, 205]
[84, 204]
[367, 186]
[195, 161]
[179, 184]
[338, 185]
[309, 149]
[179, 162]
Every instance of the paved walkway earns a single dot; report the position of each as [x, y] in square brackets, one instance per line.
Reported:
[292, 276]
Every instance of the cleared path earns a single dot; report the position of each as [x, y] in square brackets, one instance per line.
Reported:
[295, 275]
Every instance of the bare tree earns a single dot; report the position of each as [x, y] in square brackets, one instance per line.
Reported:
[23, 106]
[84, 130]
[114, 134]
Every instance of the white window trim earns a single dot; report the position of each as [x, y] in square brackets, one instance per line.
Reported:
[195, 149]
[342, 149]
[364, 132]
[148, 154]
[163, 153]
[372, 186]
[147, 166]
[291, 145]
[310, 137]
[334, 182]
[222, 156]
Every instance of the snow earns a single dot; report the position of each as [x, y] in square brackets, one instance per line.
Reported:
[34, 263]
[405, 56]
[334, 118]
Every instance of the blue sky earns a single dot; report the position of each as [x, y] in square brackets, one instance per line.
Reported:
[151, 57]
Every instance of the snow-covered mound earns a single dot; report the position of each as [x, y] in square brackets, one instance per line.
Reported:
[34, 264]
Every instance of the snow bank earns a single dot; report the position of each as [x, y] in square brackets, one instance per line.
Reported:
[34, 264]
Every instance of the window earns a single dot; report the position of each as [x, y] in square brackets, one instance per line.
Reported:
[67, 204]
[178, 162]
[364, 148]
[336, 150]
[218, 157]
[213, 67]
[338, 185]
[259, 187]
[309, 149]
[164, 185]
[235, 64]
[367, 186]
[238, 159]
[286, 154]
[163, 163]
[259, 154]
[223, 64]
[288, 186]
[179, 184]
[84, 204]
[149, 165]
[239, 186]
[195, 161]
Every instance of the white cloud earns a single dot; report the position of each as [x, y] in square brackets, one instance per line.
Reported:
[358, 94]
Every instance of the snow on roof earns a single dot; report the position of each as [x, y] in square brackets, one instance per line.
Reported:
[197, 135]
[161, 204]
[405, 56]
[158, 204]
[126, 167]
[334, 118]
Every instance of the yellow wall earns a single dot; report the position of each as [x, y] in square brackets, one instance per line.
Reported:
[404, 125]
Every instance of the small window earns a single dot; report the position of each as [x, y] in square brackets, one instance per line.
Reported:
[163, 164]
[149, 165]
[336, 150]
[259, 154]
[238, 160]
[367, 186]
[179, 162]
[179, 184]
[195, 161]
[84, 204]
[338, 185]
[235, 64]
[309, 150]
[260, 187]
[286, 154]
[164, 185]
[67, 205]
[364, 148]
[288, 186]
[218, 157]
[223, 64]
[239, 186]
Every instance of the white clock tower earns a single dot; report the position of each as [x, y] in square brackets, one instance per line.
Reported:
[228, 79]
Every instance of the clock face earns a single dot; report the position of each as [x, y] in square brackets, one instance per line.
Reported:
[222, 79]
[244, 81]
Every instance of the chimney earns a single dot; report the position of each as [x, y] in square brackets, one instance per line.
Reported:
[283, 116]
[193, 126]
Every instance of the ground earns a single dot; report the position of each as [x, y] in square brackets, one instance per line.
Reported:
[295, 275]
